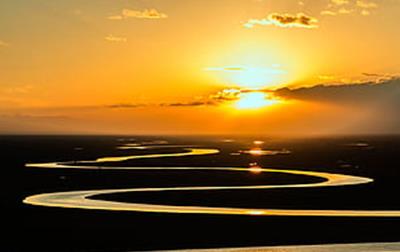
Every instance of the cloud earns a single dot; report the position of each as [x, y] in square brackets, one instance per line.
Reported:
[77, 12]
[374, 75]
[113, 38]
[377, 77]
[147, 13]
[213, 99]
[229, 94]
[219, 97]
[386, 92]
[299, 20]
[3, 44]
[340, 2]
[226, 69]
[365, 12]
[364, 108]
[188, 104]
[115, 17]
[273, 70]
[195, 103]
[341, 11]
[327, 77]
[172, 104]
[353, 108]
[328, 13]
[124, 105]
[337, 7]
[366, 5]
[143, 14]
[345, 11]
[34, 117]
[16, 89]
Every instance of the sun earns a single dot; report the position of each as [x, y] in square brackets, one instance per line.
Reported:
[254, 100]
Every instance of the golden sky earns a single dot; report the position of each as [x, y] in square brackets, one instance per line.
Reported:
[199, 66]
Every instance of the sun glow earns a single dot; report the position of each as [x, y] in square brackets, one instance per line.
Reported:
[257, 77]
[250, 76]
[254, 100]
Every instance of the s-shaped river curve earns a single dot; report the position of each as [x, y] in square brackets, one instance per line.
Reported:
[83, 200]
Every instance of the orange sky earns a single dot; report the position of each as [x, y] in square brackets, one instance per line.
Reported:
[160, 66]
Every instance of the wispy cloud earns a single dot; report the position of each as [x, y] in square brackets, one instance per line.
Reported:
[213, 99]
[16, 89]
[229, 94]
[378, 77]
[340, 2]
[365, 12]
[34, 117]
[374, 74]
[3, 44]
[226, 68]
[345, 11]
[143, 14]
[188, 104]
[124, 105]
[366, 5]
[274, 70]
[77, 12]
[326, 77]
[299, 20]
[338, 7]
[328, 13]
[113, 38]
[115, 17]
[366, 93]
[374, 87]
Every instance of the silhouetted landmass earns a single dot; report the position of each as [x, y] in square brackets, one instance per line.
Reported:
[55, 229]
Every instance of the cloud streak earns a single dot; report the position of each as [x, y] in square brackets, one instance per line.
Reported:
[3, 44]
[365, 108]
[34, 117]
[141, 14]
[386, 92]
[123, 105]
[112, 38]
[366, 5]
[340, 2]
[343, 7]
[214, 99]
[299, 20]
[227, 69]
[188, 104]
[240, 69]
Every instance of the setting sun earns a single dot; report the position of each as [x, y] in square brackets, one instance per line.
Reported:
[149, 121]
[144, 69]
[254, 100]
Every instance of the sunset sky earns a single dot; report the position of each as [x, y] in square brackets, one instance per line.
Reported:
[200, 66]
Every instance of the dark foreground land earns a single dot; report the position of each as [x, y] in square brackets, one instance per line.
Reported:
[55, 229]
